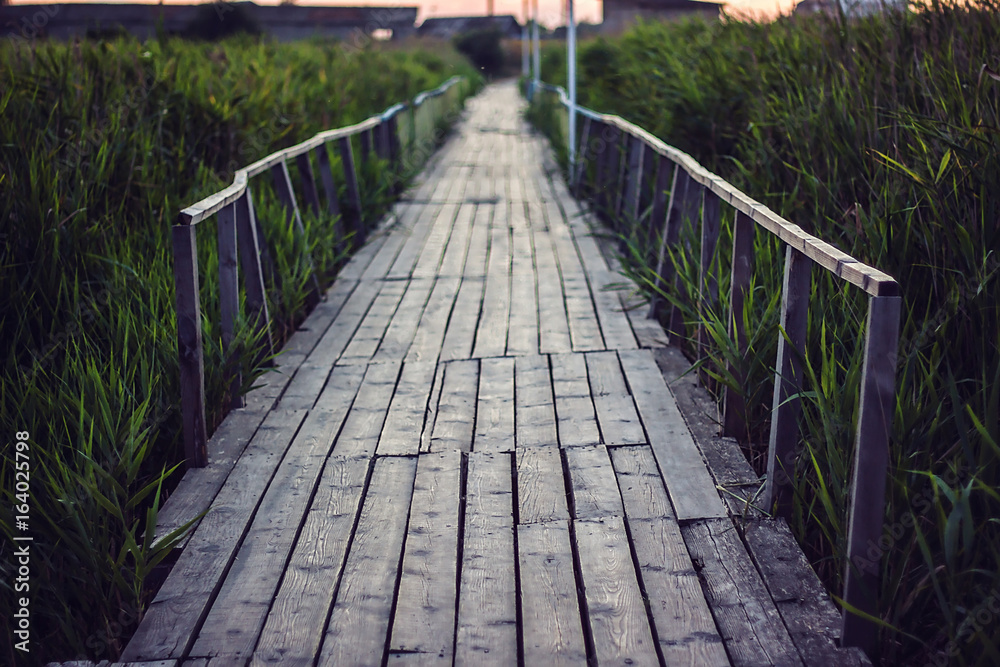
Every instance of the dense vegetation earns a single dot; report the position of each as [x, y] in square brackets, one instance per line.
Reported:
[101, 144]
[880, 135]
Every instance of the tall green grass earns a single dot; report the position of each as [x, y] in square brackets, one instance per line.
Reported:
[101, 144]
[880, 135]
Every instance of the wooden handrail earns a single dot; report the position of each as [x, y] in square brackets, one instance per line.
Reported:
[617, 186]
[241, 245]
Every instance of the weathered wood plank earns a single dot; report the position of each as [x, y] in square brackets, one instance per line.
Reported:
[734, 410]
[616, 413]
[189, 346]
[432, 254]
[368, 336]
[479, 240]
[239, 611]
[745, 615]
[363, 426]
[550, 612]
[577, 422]
[229, 295]
[491, 334]
[339, 334]
[534, 406]
[404, 422]
[615, 609]
[541, 487]
[456, 410]
[554, 325]
[461, 333]
[487, 605]
[424, 618]
[453, 261]
[522, 335]
[402, 327]
[170, 624]
[428, 338]
[685, 628]
[691, 487]
[290, 634]
[593, 484]
[359, 622]
[495, 411]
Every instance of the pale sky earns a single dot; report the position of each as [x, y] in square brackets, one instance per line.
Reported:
[550, 12]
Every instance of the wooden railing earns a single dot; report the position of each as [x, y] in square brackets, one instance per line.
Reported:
[403, 144]
[626, 159]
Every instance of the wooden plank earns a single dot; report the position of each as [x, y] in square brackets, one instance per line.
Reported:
[456, 409]
[805, 607]
[616, 613]
[239, 611]
[577, 422]
[615, 409]
[453, 261]
[461, 333]
[553, 322]
[745, 615]
[340, 332]
[415, 236]
[368, 336]
[550, 612]
[432, 408]
[363, 426]
[491, 334]
[685, 628]
[479, 239]
[359, 622]
[534, 410]
[593, 484]
[399, 334]
[691, 487]
[290, 634]
[522, 335]
[404, 422]
[406, 215]
[788, 379]
[229, 296]
[189, 347]
[170, 623]
[647, 331]
[487, 604]
[438, 238]
[428, 338]
[424, 617]
[495, 410]
[871, 461]
[642, 488]
[541, 487]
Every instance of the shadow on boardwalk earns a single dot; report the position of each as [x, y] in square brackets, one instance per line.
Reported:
[470, 455]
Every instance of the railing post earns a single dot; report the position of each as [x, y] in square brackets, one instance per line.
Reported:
[352, 209]
[633, 183]
[785, 410]
[396, 173]
[582, 154]
[326, 177]
[665, 175]
[308, 182]
[366, 139]
[708, 284]
[734, 409]
[189, 349]
[621, 164]
[871, 462]
[251, 251]
[283, 185]
[605, 172]
[229, 296]
[685, 199]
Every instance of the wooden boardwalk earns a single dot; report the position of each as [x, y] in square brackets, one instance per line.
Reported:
[470, 456]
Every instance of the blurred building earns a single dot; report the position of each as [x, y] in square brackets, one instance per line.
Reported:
[620, 14]
[285, 22]
[446, 27]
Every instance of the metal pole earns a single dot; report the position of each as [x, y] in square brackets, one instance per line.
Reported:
[538, 56]
[525, 38]
[571, 75]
